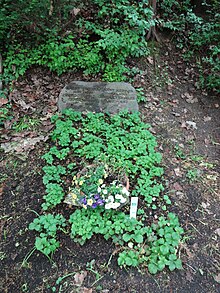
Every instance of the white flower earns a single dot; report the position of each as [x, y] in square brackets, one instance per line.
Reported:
[123, 200]
[118, 196]
[110, 198]
[105, 191]
[115, 205]
[130, 244]
[108, 206]
[113, 182]
[100, 181]
[125, 191]
[99, 189]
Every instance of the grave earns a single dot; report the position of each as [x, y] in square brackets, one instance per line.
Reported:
[108, 97]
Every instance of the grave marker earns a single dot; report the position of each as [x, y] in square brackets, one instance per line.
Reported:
[109, 97]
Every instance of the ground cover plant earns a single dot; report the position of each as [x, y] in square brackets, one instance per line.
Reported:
[122, 143]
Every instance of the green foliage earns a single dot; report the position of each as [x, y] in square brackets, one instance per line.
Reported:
[47, 226]
[140, 95]
[32, 20]
[200, 35]
[161, 250]
[5, 112]
[116, 32]
[119, 140]
[192, 174]
[122, 142]
[52, 173]
[26, 123]
[54, 194]
[129, 258]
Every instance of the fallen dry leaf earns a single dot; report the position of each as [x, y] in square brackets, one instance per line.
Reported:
[217, 231]
[23, 144]
[212, 177]
[207, 118]
[1, 189]
[177, 186]
[3, 102]
[189, 276]
[86, 290]
[24, 105]
[191, 124]
[150, 60]
[189, 137]
[175, 114]
[75, 11]
[205, 205]
[191, 99]
[217, 278]
[180, 194]
[178, 172]
[79, 278]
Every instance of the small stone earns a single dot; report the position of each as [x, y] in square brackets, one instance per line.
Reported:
[191, 124]
[217, 231]
[207, 118]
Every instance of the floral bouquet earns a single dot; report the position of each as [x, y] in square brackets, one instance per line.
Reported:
[98, 186]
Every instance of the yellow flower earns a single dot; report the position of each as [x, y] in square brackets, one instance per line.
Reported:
[90, 202]
[76, 182]
[81, 182]
[84, 206]
[100, 181]
[74, 196]
[74, 179]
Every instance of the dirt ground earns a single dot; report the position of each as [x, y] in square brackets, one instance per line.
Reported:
[185, 121]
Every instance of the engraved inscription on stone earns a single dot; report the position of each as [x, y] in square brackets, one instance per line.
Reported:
[109, 97]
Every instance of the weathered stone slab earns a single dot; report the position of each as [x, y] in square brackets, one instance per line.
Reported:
[109, 97]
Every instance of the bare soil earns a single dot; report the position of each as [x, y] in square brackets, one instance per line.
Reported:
[185, 121]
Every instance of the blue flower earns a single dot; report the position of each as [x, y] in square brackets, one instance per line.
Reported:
[83, 201]
[100, 202]
[96, 196]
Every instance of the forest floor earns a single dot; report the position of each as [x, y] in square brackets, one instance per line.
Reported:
[185, 121]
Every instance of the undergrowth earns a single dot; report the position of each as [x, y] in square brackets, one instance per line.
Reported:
[198, 34]
[122, 142]
[97, 38]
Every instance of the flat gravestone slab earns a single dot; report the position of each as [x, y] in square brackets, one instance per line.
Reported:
[109, 97]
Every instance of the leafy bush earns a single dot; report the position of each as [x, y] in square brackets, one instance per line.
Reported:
[117, 31]
[122, 142]
[199, 34]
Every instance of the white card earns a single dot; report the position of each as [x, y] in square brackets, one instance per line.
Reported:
[133, 207]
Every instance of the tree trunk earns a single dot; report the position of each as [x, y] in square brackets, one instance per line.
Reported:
[152, 32]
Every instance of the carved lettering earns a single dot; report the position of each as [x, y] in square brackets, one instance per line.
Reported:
[98, 97]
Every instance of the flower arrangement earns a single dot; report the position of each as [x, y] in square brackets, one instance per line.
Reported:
[98, 186]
